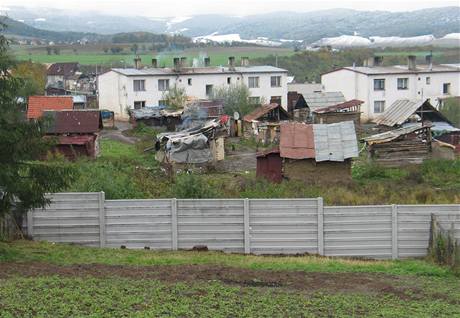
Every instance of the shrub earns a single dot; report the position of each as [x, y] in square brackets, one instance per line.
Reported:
[192, 186]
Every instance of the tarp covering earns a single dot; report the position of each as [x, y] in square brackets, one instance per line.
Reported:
[189, 149]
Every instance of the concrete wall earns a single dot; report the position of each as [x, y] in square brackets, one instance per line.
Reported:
[116, 91]
[259, 226]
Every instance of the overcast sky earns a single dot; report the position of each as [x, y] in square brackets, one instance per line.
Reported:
[171, 8]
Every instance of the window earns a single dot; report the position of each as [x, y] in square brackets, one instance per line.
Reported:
[189, 81]
[253, 82]
[446, 88]
[163, 85]
[229, 80]
[139, 85]
[379, 85]
[275, 81]
[209, 90]
[403, 83]
[428, 80]
[254, 100]
[162, 102]
[275, 100]
[379, 106]
[139, 104]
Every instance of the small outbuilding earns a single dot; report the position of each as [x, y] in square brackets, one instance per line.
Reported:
[349, 110]
[270, 165]
[263, 123]
[400, 147]
[38, 104]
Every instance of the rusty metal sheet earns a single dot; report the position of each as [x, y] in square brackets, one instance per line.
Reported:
[297, 141]
[74, 121]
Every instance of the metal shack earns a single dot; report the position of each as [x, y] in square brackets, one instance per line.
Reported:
[76, 132]
[400, 147]
[311, 153]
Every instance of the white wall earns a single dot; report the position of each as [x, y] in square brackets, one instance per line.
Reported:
[116, 91]
[361, 86]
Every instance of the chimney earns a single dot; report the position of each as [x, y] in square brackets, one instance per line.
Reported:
[154, 63]
[429, 61]
[176, 63]
[207, 61]
[378, 60]
[183, 61]
[411, 66]
[244, 61]
[137, 62]
[369, 62]
[231, 63]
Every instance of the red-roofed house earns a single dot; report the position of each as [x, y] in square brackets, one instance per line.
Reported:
[38, 104]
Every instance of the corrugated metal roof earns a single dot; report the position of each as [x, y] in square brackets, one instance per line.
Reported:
[324, 99]
[74, 121]
[197, 70]
[323, 142]
[63, 69]
[341, 106]
[263, 110]
[335, 142]
[393, 134]
[400, 111]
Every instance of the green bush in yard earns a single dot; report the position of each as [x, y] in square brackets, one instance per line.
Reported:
[192, 186]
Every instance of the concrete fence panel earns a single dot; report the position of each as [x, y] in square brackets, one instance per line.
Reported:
[283, 226]
[360, 231]
[70, 218]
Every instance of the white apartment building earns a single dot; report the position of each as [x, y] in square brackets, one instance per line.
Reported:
[379, 86]
[133, 88]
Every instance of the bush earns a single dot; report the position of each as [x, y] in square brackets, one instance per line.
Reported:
[192, 186]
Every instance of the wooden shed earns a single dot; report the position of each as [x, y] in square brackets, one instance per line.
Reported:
[349, 110]
[270, 165]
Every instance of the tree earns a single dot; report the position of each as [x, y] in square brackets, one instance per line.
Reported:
[134, 48]
[48, 50]
[175, 98]
[57, 51]
[33, 76]
[451, 109]
[24, 180]
[235, 99]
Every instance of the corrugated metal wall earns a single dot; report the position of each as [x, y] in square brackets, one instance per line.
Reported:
[259, 226]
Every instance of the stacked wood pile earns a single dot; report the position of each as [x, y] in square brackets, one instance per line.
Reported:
[400, 147]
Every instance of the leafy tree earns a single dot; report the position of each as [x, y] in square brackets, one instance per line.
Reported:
[235, 99]
[451, 109]
[57, 51]
[24, 180]
[33, 76]
[48, 50]
[175, 97]
[105, 49]
[135, 48]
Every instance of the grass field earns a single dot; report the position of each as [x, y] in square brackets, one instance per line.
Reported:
[95, 55]
[53, 280]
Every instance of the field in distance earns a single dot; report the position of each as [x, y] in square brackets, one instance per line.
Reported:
[94, 54]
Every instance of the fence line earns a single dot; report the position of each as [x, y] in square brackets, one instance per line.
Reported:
[259, 226]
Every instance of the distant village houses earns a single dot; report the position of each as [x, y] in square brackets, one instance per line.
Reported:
[380, 86]
[136, 88]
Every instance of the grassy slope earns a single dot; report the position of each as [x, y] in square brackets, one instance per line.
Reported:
[54, 296]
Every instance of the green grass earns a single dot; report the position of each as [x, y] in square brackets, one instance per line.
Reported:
[63, 254]
[417, 288]
[219, 56]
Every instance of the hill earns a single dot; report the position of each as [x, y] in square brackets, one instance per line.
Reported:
[308, 26]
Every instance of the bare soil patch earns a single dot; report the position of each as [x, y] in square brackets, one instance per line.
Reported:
[367, 283]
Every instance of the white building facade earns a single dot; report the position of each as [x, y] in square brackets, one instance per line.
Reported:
[122, 89]
[380, 86]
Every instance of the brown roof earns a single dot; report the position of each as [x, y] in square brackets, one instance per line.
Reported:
[38, 104]
[74, 121]
[263, 110]
[63, 69]
[348, 104]
[297, 141]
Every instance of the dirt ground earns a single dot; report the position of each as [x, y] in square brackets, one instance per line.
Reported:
[368, 283]
[117, 134]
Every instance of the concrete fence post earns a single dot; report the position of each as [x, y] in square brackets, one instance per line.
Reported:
[102, 231]
[247, 235]
[394, 231]
[320, 226]
[30, 224]
[174, 224]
